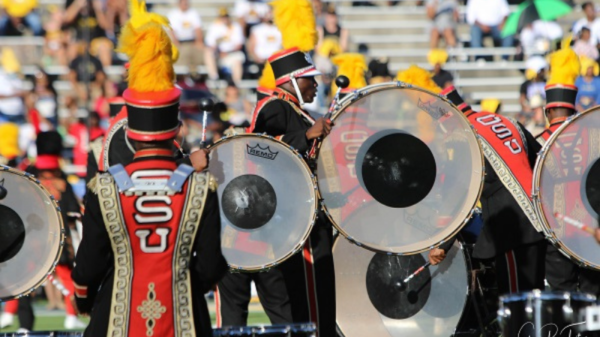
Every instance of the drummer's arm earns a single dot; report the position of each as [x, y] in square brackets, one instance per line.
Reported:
[93, 258]
[208, 264]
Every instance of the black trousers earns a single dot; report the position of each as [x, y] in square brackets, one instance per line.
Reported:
[300, 290]
[233, 297]
[521, 269]
[25, 313]
[562, 274]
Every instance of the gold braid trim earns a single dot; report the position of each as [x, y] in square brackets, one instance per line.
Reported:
[511, 183]
[96, 147]
[119, 240]
[199, 184]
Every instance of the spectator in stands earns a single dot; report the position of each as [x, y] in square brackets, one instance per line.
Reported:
[590, 21]
[238, 108]
[537, 37]
[583, 45]
[487, 18]
[55, 41]
[250, 13]
[535, 84]
[535, 120]
[89, 21]
[12, 108]
[45, 99]
[187, 28]
[588, 84]
[265, 40]
[224, 42]
[108, 90]
[437, 58]
[444, 17]
[81, 71]
[20, 14]
[331, 30]
[318, 8]
[115, 9]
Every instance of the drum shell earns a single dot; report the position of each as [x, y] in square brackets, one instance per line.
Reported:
[279, 238]
[541, 313]
[360, 121]
[559, 186]
[44, 234]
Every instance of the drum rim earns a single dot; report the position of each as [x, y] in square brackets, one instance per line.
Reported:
[537, 199]
[546, 295]
[37, 183]
[462, 251]
[314, 191]
[367, 91]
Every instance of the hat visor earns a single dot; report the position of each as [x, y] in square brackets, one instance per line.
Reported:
[311, 72]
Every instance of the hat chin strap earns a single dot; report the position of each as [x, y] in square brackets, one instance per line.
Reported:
[298, 92]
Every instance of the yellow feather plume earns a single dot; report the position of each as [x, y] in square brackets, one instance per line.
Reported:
[150, 57]
[146, 41]
[586, 63]
[295, 20]
[267, 79]
[353, 66]
[418, 77]
[437, 56]
[564, 67]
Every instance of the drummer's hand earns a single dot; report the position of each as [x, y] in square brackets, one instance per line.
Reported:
[436, 256]
[321, 128]
[199, 160]
[597, 234]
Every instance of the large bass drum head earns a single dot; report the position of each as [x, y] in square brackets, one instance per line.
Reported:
[567, 181]
[371, 302]
[401, 170]
[31, 234]
[267, 199]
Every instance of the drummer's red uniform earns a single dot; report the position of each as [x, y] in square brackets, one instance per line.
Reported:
[561, 273]
[159, 238]
[507, 234]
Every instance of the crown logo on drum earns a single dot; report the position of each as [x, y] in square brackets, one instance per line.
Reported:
[262, 152]
[435, 112]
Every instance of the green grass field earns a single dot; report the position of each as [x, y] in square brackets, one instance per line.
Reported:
[46, 320]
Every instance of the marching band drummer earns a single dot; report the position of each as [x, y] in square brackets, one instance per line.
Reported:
[309, 275]
[561, 93]
[508, 233]
[147, 258]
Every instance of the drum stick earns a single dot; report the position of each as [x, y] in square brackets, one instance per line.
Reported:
[417, 272]
[575, 223]
[59, 285]
[207, 105]
[342, 82]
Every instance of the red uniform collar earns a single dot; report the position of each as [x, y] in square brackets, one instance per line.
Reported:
[285, 95]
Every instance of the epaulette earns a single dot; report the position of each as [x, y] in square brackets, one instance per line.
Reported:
[92, 184]
[212, 182]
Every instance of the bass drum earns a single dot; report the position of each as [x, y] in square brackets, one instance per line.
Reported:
[267, 197]
[401, 170]
[31, 234]
[371, 301]
[295, 330]
[567, 182]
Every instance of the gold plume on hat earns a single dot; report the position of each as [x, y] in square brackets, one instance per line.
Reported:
[144, 39]
[586, 63]
[437, 56]
[267, 79]
[490, 105]
[353, 66]
[418, 77]
[564, 67]
[295, 20]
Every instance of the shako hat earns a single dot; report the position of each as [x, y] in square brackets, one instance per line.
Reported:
[151, 98]
[561, 91]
